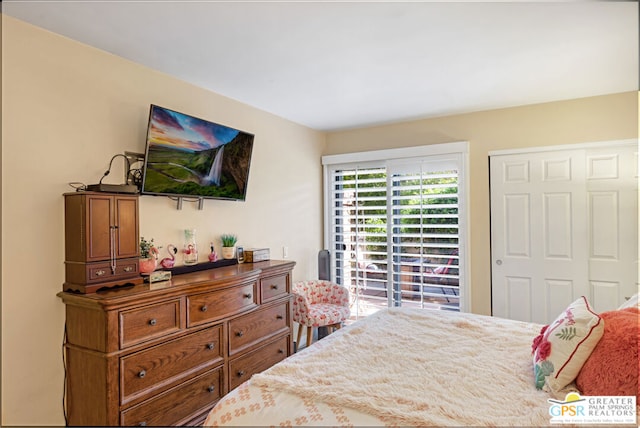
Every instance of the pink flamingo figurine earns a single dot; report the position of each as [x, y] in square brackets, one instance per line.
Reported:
[168, 262]
[213, 257]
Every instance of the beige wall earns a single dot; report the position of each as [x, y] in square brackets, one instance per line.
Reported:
[603, 118]
[66, 109]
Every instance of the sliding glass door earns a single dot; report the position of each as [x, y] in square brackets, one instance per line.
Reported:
[394, 230]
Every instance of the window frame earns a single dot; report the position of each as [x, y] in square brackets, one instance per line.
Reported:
[458, 152]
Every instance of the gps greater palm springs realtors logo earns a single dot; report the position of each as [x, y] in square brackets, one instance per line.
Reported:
[593, 410]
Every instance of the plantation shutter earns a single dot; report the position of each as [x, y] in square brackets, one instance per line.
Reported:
[394, 231]
[358, 227]
[424, 214]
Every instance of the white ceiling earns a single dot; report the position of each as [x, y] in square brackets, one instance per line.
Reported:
[339, 65]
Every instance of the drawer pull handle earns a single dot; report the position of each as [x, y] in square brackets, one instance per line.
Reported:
[211, 388]
[142, 374]
[279, 317]
[128, 268]
[280, 351]
[204, 308]
[152, 321]
[274, 287]
[100, 272]
[248, 295]
[210, 346]
[240, 373]
[240, 333]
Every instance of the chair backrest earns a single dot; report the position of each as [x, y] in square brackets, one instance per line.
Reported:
[322, 291]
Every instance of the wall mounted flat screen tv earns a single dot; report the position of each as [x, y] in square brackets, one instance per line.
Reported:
[190, 157]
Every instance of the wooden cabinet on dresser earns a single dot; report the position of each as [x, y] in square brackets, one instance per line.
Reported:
[164, 354]
[101, 240]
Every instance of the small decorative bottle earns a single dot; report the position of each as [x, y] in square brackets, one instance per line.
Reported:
[190, 251]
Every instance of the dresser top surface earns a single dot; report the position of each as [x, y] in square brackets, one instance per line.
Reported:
[218, 277]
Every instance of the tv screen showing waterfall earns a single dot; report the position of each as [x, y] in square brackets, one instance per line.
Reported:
[187, 156]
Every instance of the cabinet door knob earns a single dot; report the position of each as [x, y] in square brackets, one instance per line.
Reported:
[240, 373]
[210, 346]
[274, 287]
[152, 321]
[248, 295]
[204, 308]
[240, 333]
[211, 388]
[142, 374]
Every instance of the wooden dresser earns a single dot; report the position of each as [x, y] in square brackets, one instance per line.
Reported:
[164, 354]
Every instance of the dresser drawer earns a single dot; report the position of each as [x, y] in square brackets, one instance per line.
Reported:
[273, 287]
[143, 324]
[161, 365]
[95, 273]
[207, 307]
[250, 329]
[102, 271]
[173, 406]
[241, 369]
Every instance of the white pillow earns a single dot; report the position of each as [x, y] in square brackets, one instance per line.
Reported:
[631, 303]
[564, 345]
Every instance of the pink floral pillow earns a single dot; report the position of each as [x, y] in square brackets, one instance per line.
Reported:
[562, 347]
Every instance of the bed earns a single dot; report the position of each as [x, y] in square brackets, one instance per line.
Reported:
[399, 367]
[411, 367]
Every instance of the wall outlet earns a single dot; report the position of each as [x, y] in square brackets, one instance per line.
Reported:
[285, 252]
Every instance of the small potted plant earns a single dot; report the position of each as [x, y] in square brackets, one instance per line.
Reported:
[148, 256]
[228, 245]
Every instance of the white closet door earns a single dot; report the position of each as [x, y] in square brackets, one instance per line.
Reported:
[612, 210]
[563, 224]
[538, 249]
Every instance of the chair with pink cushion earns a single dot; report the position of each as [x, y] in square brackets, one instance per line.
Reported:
[319, 303]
